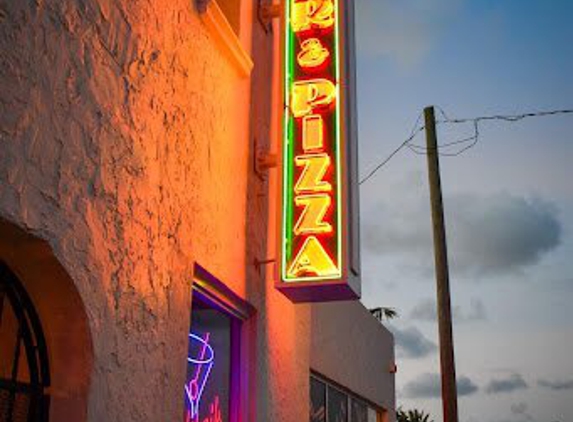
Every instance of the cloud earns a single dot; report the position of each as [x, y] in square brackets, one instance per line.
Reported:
[411, 343]
[406, 30]
[503, 233]
[519, 413]
[426, 311]
[556, 385]
[493, 235]
[466, 386]
[508, 384]
[519, 408]
[429, 386]
[424, 386]
[476, 312]
[518, 418]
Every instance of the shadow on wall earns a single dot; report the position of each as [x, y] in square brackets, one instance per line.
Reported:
[62, 317]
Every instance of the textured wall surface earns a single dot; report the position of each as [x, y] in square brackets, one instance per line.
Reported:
[124, 140]
[349, 346]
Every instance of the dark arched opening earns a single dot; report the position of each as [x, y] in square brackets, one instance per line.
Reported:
[24, 366]
[42, 308]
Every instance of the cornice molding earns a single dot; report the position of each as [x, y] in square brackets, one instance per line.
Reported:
[226, 39]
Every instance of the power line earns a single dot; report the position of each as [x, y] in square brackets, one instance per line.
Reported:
[413, 134]
[418, 149]
[507, 118]
[383, 163]
[469, 141]
[473, 140]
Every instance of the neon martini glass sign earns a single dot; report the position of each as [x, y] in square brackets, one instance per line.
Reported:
[202, 365]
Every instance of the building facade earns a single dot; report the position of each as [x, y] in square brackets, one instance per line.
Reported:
[138, 226]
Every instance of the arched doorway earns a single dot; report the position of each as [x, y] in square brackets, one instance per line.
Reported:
[42, 309]
[24, 366]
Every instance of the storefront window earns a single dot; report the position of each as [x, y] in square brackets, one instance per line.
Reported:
[373, 415]
[317, 401]
[330, 404]
[209, 372]
[337, 406]
[358, 411]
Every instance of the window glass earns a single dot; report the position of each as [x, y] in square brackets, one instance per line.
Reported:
[358, 411]
[330, 404]
[317, 401]
[207, 386]
[372, 415]
[337, 405]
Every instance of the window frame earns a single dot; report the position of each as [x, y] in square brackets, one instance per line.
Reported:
[214, 293]
[350, 395]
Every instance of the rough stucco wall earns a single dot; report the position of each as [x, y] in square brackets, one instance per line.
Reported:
[124, 143]
[122, 146]
[349, 346]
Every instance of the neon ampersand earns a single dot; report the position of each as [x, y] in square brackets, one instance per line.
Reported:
[312, 53]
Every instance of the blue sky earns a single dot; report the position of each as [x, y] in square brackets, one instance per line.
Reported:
[509, 200]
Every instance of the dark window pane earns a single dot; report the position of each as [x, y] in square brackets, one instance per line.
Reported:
[372, 415]
[317, 401]
[358, 411]
[207, 388]
[337, 405]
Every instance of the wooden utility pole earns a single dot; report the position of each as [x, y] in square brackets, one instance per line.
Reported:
[447, 363]
[1, 304]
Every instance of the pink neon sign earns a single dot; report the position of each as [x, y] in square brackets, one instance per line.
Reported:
[202, 365]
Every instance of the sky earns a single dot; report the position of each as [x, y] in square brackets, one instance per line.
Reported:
[508, 200]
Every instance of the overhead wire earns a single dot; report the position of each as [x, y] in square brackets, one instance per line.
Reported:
[471, 141]
[413, 133]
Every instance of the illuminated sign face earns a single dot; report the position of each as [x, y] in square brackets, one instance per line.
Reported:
[315, 230]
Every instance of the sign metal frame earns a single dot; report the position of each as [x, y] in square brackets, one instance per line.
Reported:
[333, 229]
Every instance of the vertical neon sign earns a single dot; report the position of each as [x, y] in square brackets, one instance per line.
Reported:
[314, 233]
